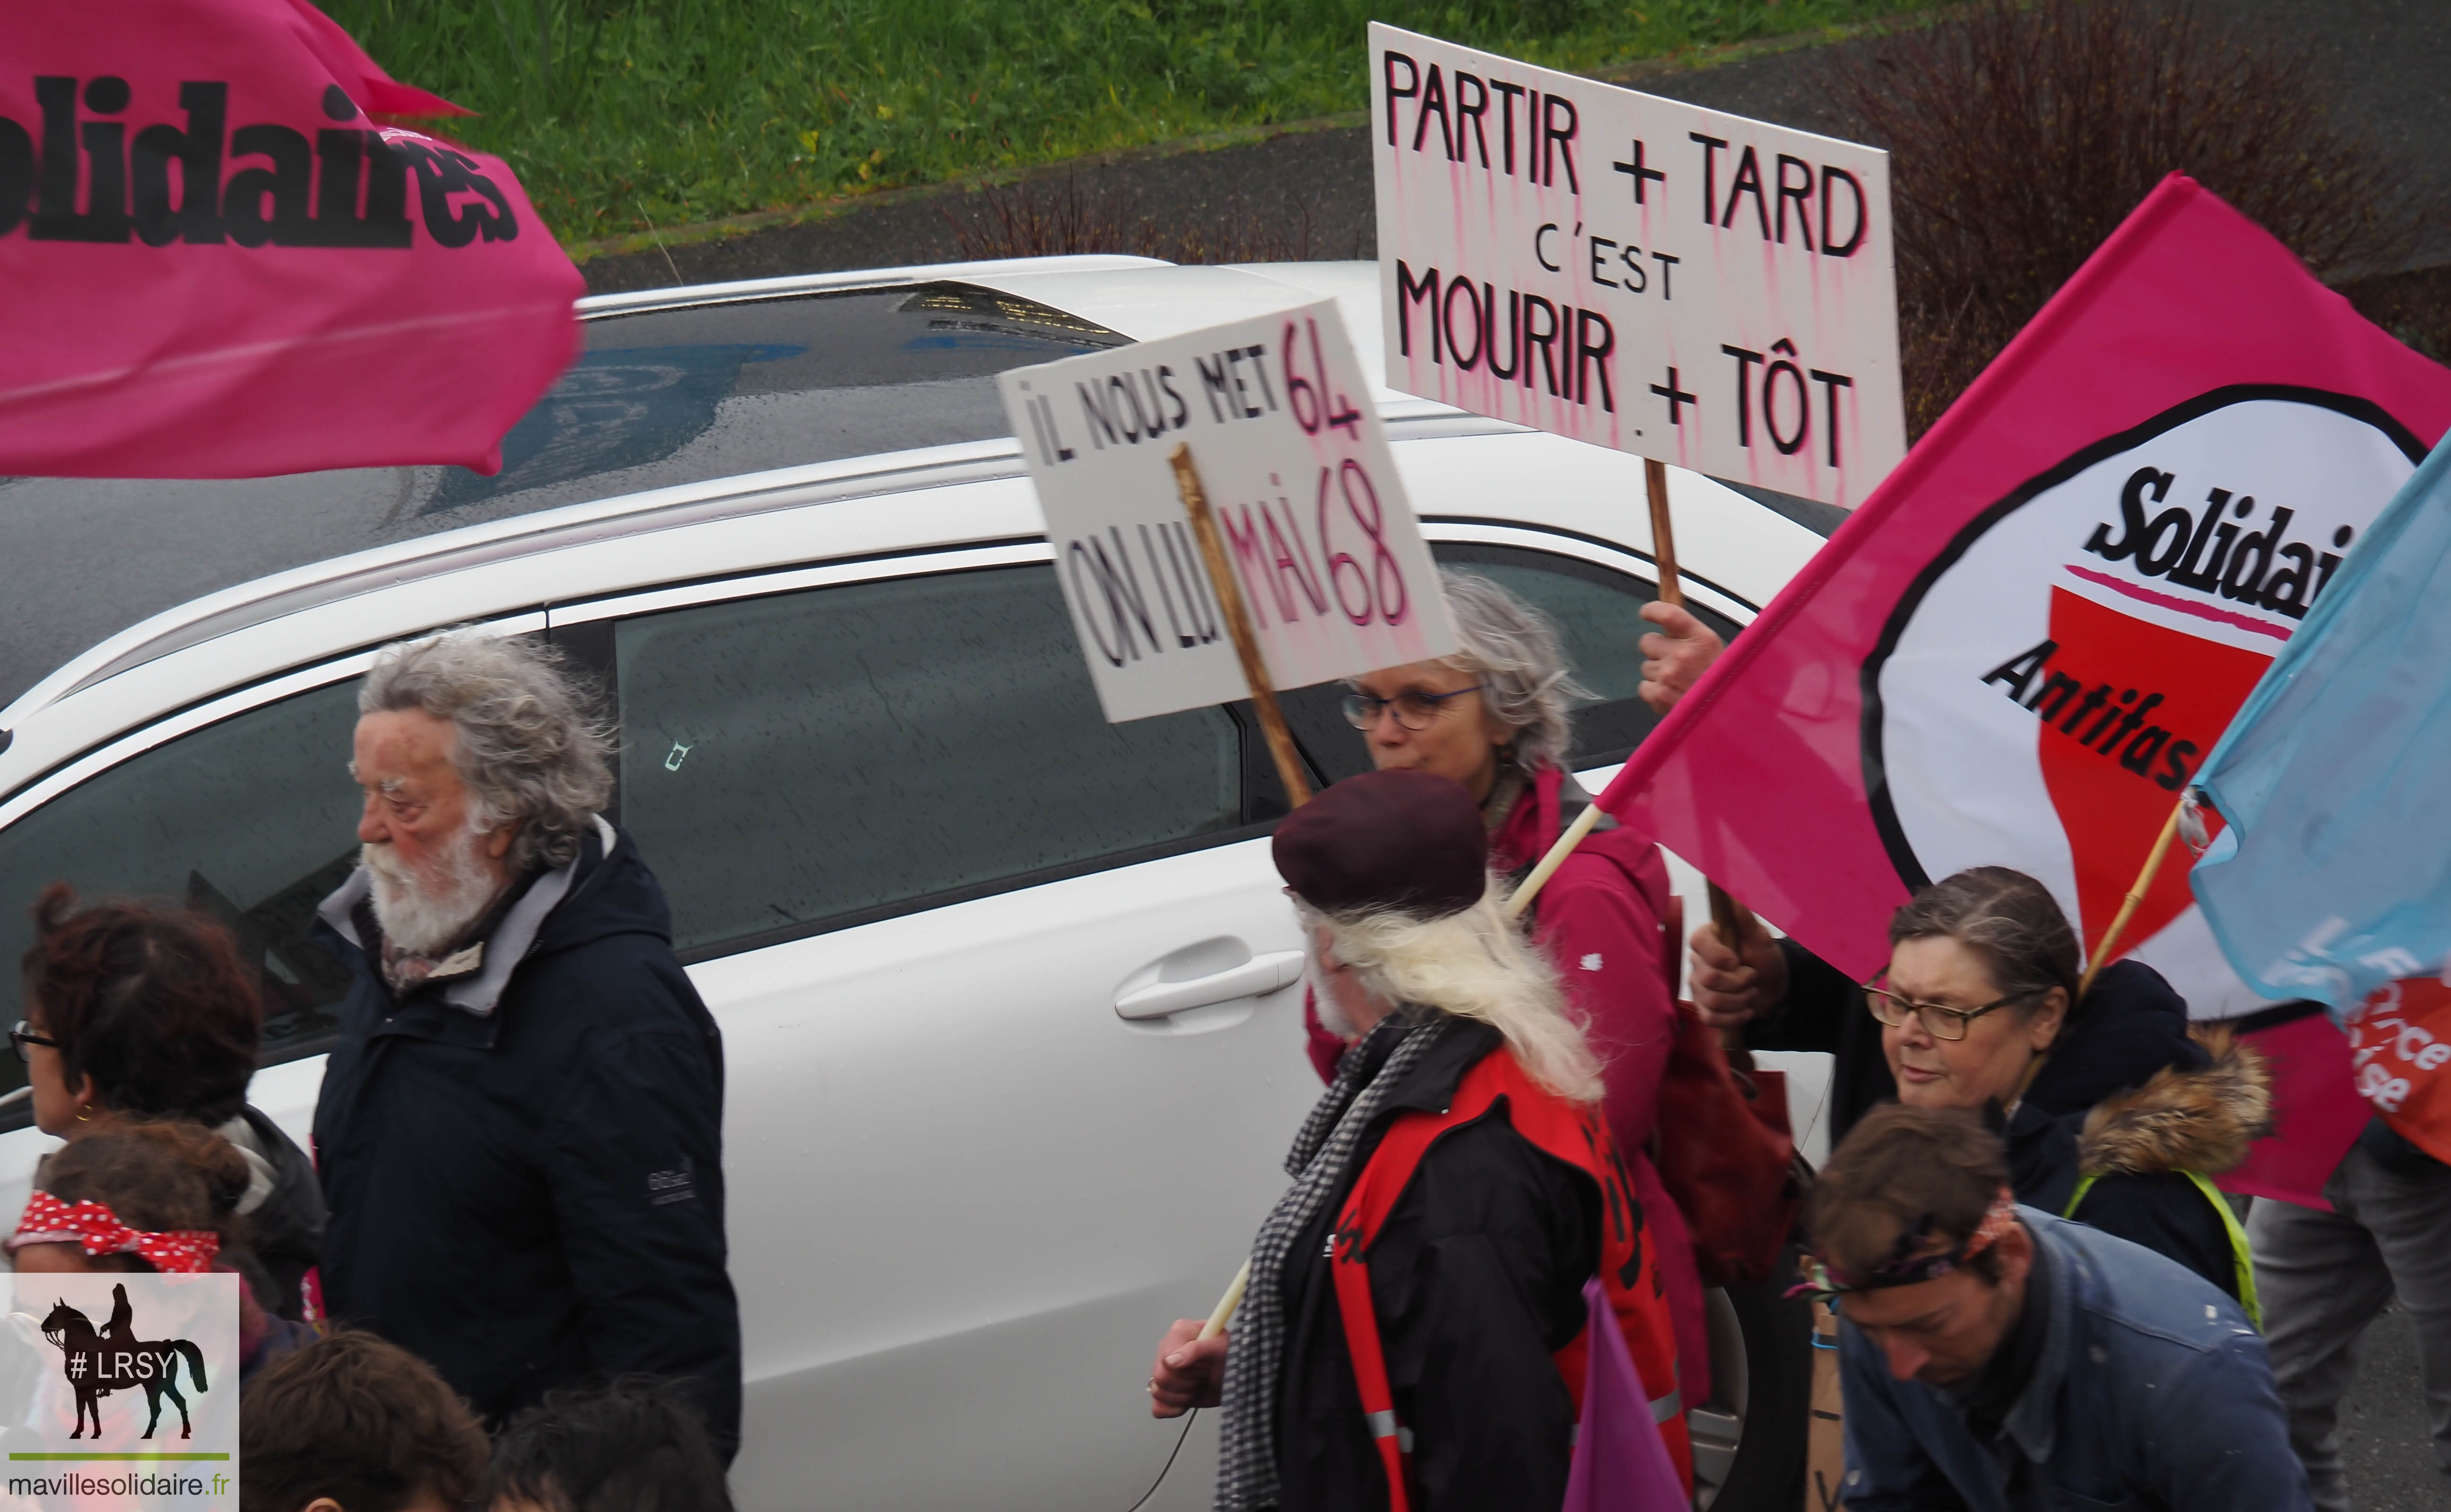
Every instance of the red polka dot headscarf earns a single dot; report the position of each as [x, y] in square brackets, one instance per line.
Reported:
[50, 1221]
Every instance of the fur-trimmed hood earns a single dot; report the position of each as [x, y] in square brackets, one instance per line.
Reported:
[2182, 1120]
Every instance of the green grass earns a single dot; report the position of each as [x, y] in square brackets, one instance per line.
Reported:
[618, 112]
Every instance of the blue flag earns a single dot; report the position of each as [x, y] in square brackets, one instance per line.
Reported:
[2334, 875]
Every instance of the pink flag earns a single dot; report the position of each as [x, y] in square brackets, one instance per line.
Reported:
[2017, 651]
[214, 264]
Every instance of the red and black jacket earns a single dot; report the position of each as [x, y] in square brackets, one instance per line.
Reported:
[1475, 1268]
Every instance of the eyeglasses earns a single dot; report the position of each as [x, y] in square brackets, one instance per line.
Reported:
[1414, 711]
[21, 1036]
[1940, 1021]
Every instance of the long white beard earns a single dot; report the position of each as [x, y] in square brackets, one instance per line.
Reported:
[421, 914]
[1332, 1015]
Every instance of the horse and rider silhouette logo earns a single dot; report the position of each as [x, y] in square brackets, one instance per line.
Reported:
[115, 1358]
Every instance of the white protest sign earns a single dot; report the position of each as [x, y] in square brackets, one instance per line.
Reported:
[1634, 272]
[1296, 469]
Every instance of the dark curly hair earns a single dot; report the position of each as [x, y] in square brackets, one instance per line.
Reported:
[359, 1419]
[157, 1177]
[637, 1443]
[153, 1004]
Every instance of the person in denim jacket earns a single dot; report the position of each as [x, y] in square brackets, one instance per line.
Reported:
[2000, 1360]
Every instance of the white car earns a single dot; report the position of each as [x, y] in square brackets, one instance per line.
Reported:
[1009, 995]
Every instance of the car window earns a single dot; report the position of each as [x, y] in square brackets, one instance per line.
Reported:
[657, 398]
[812, 759]
[253, 819]
[1595, 610]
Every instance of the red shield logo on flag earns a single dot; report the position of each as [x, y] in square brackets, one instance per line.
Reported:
[2047, 688]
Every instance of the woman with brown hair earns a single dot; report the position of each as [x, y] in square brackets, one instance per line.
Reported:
[2114, 1114]
[138, 1011]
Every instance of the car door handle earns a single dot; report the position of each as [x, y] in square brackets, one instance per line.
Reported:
[1259, 974]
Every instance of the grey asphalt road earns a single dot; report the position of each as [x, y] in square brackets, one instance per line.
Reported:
[2385, 1439]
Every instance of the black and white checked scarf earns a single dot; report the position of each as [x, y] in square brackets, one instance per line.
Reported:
[1247, 1458]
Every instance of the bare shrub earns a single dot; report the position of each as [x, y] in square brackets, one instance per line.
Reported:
[1051, 215]
[2023, 131]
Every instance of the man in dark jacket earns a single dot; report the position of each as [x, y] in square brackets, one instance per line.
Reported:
[521, 1129]
[1469, 1228]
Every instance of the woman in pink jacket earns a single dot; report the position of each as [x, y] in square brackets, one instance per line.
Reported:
[1494, 717]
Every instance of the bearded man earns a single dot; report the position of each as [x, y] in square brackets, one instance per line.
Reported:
[521, 1129]
[1416, 1325]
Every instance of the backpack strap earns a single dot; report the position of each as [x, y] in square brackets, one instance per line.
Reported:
[2241, 1257]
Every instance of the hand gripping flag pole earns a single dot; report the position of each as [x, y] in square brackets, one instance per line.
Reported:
[1272, 723]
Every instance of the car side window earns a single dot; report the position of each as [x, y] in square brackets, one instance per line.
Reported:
[1596, 611]
[818, 759]
[252, 820]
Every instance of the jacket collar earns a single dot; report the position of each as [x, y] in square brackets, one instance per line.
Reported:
[2033, 1421]
[477, 988]
[1430, 1086]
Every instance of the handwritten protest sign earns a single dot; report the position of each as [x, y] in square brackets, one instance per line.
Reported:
[1324, 546]
[1638, 273]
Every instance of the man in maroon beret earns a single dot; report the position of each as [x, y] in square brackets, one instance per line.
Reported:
[1416, 1324]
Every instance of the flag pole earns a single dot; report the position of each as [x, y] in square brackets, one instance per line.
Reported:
[2143, 883]
[1226, 1304]
[1263, 699]
[1238, 625]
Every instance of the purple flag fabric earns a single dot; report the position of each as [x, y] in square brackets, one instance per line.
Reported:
[1620, 1463]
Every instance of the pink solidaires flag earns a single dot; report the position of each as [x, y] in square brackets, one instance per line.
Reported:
[2020, 648]
[215, 261]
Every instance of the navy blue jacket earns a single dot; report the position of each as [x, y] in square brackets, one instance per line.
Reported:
[524, 1161]
[2150, 1392]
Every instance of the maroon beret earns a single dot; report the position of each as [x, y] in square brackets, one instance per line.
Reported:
[1403, 840]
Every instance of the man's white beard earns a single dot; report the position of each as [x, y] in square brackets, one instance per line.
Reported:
[422, 914]
[1322, 997]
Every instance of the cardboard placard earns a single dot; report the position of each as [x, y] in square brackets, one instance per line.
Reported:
[1323, 542]
[1634, 272]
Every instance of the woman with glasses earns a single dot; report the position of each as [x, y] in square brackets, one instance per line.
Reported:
[2113, 1113]
[1494, 718]
[137, 1012]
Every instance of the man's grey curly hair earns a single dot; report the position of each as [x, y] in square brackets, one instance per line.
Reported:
[1513, 649]
[529, 747]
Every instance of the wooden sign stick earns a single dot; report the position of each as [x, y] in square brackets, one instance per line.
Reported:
[1730, 917]
[1263, 699]
[1238, 625]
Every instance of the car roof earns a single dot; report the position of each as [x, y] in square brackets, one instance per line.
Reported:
[676, 387]
[598, 498]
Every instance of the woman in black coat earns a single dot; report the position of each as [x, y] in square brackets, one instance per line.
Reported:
[2115, 1115]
